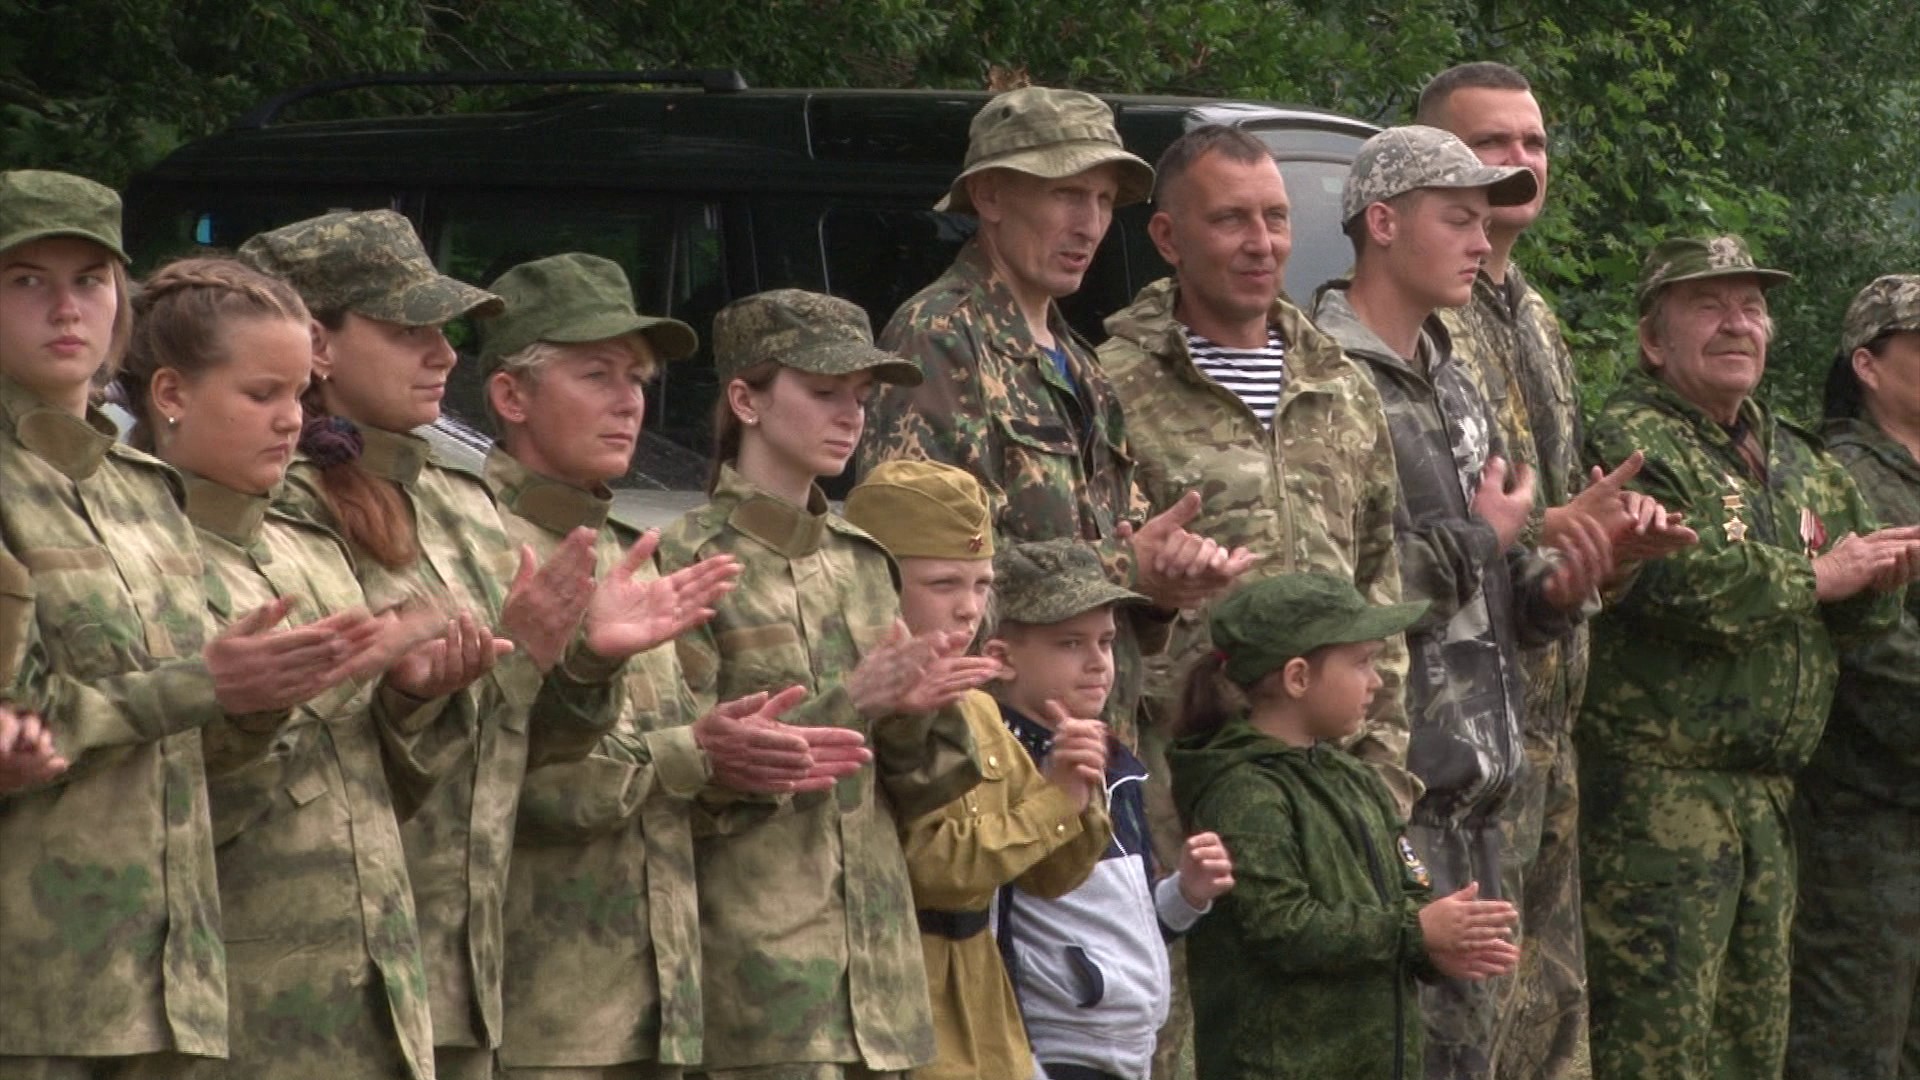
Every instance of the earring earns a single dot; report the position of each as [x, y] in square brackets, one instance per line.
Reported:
[751, 421]
[173, 421]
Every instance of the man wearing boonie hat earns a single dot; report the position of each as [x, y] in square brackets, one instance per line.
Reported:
[1045, 831]
[1416, 205]
[1713, 671]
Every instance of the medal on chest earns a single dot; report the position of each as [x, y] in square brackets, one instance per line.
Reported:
[1415, 867]
[1813, 531]
[1734, 503]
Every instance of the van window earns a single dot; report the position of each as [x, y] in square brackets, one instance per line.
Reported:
[223, 218]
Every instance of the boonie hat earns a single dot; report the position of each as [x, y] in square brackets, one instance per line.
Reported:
[369, 262]
[808, 331]
[1697, 258]
[1260, 627]
[923, 510]
[1890, 303]
[1414, 156]
[572, 298]
[1050, 581]
[1048, 133]
[38, 203]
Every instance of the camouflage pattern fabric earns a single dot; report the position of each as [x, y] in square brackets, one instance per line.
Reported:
[37, 203]
[366, 261]
[110, 944]
[811, 956]
[1689, 258]
[160, 1066]
[1712, 675]
[459, 843]
[323, 954]
[1412, 157]
[1856, 936]
[800, 1072]
[1509, 339]
[1889, 304]
[1049, 133]
[1051, 454]
[1042, 582]
[806, 331]
[1314, 492]
[573, 298]
[603, 932]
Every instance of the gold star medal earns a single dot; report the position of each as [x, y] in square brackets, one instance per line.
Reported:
[1736, 529]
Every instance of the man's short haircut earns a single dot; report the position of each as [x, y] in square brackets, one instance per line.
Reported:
[1478, 75]
[1235, 143]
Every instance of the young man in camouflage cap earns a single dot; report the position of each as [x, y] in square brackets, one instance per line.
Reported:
[1416, 206]
[1094, 1017]
[1712, 673]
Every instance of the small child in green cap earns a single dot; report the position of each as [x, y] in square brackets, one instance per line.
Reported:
[1307, 970]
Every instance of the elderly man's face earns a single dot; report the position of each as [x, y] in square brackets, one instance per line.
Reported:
[1708, 341]
[1041, 234]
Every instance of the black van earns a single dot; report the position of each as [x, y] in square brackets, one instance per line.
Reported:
[703, 189]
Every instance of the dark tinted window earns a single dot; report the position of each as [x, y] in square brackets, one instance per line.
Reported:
[161, 224]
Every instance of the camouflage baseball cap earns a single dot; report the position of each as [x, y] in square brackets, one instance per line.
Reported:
[573, 298]
[1050, 581]
[923, 510]
[369, 262]
[1890, 303]
[1046, 133]
[1263, 625]
[808, 331]
[1409, 158]
[1696, 257]
[36, 204]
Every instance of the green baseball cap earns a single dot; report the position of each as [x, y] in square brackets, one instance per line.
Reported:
[37, 203]
[1889, 303]
[923, 510]
[1050, 581]
[1414, 156]
[1695, 258]
[572, 298]
[369, 262]
[1046, 133]
[1263, 625]
[807, 331]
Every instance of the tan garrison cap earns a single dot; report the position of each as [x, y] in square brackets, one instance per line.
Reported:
[1889, 303]
[1409, 158]
[805, 330]
[36, 204]
[1697, 258]
[1050, 581]
[923, 510]
[1047, 133]
[573, 298]
[369, 262]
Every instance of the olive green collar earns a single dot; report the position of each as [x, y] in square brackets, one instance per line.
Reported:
[554, 505]
[775, 522]
[74, 446]
[392, 455]
[233, 516]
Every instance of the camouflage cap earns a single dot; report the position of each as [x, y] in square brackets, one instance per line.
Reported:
[1047, 133]
[1050, 581]
[36, 204]
[369, 262]
[1694, 258]
[1260, 627]
[571, 298]
[923, 510]
[1889, 303]
[1409, 158]
[807, 331]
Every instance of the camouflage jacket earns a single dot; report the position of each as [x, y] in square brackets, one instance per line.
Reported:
[603, 928]
[1872, 742]
[809, 942]
[1317, 491]
[1051, 454]
[109, 914]
[314, 896]
[460, 841]
[1510, 340]
[1464, 690]
[1719, 657]
[1307, 968]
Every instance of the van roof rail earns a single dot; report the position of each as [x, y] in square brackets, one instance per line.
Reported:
[712, 80]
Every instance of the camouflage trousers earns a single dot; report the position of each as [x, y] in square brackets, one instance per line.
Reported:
[1459, 1016]
[464, 1063]
[632, 1070]
[809, 1071]
[1540, 1032]
[1856, 938]
[163, 1066]
[1688, 880]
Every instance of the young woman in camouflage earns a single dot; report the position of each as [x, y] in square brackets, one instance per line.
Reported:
[812, 967]
[110, 951]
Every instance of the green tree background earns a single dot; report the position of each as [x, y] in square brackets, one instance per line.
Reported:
[1794, 122]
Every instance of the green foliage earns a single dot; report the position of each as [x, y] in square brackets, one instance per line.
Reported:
[1787, 121]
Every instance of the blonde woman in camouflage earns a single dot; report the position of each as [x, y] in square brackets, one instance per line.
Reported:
[811, 958]
[110, 951]
[415, 526]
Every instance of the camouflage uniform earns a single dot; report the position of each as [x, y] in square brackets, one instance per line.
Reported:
[110, 942]
[1464, 688]
[317, 914]
[1712, 674]
[1856, 958]
[1509, 339]
[603, 934]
